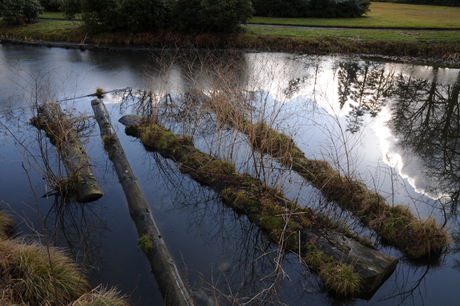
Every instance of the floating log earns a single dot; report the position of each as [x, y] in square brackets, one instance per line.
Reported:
[72, 152]
[397, 226]
[284, 221]
[164, 269]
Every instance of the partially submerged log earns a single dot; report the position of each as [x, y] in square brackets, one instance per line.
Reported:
[164, 269]
[397, 226]
[72, 152]
[284, 221]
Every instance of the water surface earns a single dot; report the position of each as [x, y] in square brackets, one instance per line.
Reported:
[393, 126]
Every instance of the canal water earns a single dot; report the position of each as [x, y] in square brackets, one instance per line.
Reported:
[393, 126]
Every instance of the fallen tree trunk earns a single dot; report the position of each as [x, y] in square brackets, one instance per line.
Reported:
[397, 226]
[284, 221]
[164, 269]
[59, 129]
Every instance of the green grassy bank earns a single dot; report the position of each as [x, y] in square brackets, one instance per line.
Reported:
[384, 15]
[414, 40]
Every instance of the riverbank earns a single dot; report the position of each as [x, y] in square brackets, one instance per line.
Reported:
[428, 35]
[440, 48]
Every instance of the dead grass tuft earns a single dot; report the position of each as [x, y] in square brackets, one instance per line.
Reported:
[101, 297]
[38, 275]
[341, 279]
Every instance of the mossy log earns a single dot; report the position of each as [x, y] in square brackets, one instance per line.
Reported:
[72, 152]
[284, 221]
[164, 269]
[397, 226]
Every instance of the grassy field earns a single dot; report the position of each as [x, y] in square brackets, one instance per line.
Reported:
[384, 15]
[356, 35]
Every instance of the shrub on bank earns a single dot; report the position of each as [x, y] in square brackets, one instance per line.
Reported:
[50, 5]
[16, 12]
[141, 16]
[186, 16]
[311, 8]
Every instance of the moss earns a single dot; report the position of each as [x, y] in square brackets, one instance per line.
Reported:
[108, 140]
[396, 219]
[149, 134]
[240, 201]
[271, 223]
[68, 187]
[195, 160]
[269, 206]
[303, 219]
[217, 170]
[145, 243]
[159, 139]
[315, 258]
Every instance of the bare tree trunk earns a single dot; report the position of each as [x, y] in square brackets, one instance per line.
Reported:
[59, 129]
[163, 267]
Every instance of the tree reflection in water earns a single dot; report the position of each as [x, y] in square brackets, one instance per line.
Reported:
[425, 119]
[366, 87]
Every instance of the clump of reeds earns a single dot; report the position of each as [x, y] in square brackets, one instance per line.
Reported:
[40, 276]
[340, 278]
[33, 274]
[101, 297]
[337, 277]
[417, 238]
[6, 226]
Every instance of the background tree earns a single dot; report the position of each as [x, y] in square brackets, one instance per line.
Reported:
[50, 5]
[281, 8]
[141, 15]
[311, 8]
[197, 16]
[70, 7]
[192, 16]
[20, 11]
[225, 16]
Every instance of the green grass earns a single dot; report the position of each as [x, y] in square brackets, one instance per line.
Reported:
[407, 36]
[384, 15]
[56, 15]
[52, 30]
